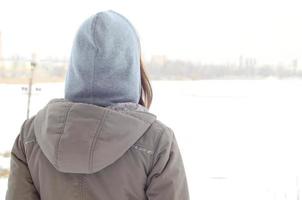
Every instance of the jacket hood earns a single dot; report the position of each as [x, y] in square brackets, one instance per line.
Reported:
[84, 138]
[104, 66]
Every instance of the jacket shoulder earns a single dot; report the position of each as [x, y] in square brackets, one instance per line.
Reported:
[161, 130]
[156, 132]
[25, 135]
[27, 132]
[157, 138]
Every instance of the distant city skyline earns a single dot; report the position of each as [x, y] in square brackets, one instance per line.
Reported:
[213, 31]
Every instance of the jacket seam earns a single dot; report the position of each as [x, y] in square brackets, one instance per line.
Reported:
[82, 187]
[96, 135]
[156, 149]
[62, 132]
[25, 128]
[22, 137]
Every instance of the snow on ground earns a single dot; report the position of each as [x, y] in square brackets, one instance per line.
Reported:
[238, 139]
[3, 186]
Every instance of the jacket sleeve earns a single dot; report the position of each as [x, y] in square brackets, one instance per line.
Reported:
[20, 184]
[167, 178]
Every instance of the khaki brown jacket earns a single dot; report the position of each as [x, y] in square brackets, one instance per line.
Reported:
[76, 151]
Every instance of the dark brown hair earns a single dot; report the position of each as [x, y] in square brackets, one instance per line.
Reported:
[146, 89]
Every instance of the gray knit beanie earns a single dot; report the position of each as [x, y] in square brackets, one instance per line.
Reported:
[104, 66]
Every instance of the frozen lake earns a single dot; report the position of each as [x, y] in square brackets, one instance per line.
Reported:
[239, 139]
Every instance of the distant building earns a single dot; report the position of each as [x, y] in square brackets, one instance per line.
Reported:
[159, 59]
[1, 58]
[295, 64]
[247, 61]
[241, 61]
[1, 55]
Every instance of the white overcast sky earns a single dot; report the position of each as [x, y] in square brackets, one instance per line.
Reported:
[213, 31]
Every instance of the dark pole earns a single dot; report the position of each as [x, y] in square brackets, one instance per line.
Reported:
[33, 65]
